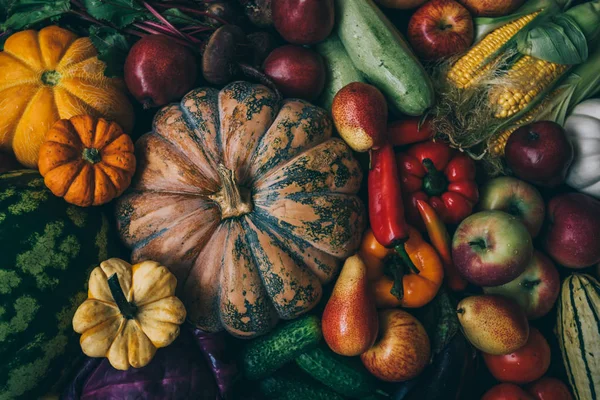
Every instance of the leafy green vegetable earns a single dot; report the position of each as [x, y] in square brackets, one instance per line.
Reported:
[24, 13]
[119, 12]
[559, 40]
[112, 49]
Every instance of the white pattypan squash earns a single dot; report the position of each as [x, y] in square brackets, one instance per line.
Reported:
[129, 313]
[583, 129]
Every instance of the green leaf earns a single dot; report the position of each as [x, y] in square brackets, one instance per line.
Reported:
[440, 321]
[175, 16]
[112, 49]
[119, 12]
[558, 39]
[485, 25]
[26, 13]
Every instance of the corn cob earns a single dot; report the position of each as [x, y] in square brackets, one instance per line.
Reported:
[498, 143]
[526, 79]
[473, 65]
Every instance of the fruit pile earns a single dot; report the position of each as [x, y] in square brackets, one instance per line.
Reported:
[287, 199]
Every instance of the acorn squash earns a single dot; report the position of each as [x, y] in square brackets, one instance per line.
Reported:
[248, 200]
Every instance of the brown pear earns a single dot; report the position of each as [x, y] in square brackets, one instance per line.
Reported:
[350, 322]
[493, 324]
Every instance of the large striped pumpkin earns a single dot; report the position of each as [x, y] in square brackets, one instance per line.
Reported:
[578, 331]
[248, 200]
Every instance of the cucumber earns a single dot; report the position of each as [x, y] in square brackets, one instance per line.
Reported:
[345, 375]
[268, 353]
[285, 386]
[382, 55]
[340, 69]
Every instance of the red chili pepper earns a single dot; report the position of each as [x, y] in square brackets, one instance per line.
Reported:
[386, 210]
[444, 178]
[409, 131]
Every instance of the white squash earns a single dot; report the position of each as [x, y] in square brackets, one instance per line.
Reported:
[583, 129]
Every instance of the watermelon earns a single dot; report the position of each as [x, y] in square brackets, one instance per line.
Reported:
[48, 248]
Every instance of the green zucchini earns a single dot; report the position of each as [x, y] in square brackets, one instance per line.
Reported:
[382, 55]
[578, 331]
[285, 386]
[345, 375]
[340, 69]
[268, 353]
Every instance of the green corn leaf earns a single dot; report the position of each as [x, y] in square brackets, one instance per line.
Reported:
[25, 13]
[119, 12]
[485, 25]
[558, 39]
[112, 48]
[587, 17]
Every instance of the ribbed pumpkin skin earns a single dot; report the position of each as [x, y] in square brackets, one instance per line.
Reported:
[47, 248]
[245, 272]
[578, 331]
[50, 75]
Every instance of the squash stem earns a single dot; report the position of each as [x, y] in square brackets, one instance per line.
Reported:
[91, 155]
[231, 199]
[129, 310]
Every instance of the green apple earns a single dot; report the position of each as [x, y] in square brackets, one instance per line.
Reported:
[517, 198]
[491, 248]
[536, 289]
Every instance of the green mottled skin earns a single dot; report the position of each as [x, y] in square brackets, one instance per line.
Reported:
[48, 249]
[304, 216]
[268, 353]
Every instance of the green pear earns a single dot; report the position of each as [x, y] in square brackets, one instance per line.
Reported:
[494, 324]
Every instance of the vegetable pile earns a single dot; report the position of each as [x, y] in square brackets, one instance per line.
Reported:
[300, 199]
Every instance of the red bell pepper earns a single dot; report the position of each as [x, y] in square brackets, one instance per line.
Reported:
[443, 177]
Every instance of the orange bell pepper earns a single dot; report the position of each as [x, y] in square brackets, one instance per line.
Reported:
[438, 234]
[392, 281]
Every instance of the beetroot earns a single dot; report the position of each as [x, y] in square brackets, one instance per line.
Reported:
[159, 70]
[297, 71]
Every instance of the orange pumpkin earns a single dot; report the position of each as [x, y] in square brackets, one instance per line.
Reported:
[49, 75]
[87, 160]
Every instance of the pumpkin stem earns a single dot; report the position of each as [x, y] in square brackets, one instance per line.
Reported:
[233, 200]
[50, 78]
[129, 310]
[91, 155]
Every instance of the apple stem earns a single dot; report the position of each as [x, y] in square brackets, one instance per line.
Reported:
[460, 311]
[531, 284]
[533, 136]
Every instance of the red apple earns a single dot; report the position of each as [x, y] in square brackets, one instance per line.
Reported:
[571, 237]
[506, 391]
[403, 349]
[492, 8]
[515, 197]
[536, 289]
[491, 248]
[439, 29]
[159, 70]
[360, 115]
[303, 21]
[549, 389]
[297, 71]
[539, 153]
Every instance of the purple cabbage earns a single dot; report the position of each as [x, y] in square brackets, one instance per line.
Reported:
[194, 366]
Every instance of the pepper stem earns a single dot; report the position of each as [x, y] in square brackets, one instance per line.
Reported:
[435, 182]
[129, 310]
[401, 251]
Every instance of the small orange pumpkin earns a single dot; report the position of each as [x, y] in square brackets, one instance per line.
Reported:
[87, 160]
